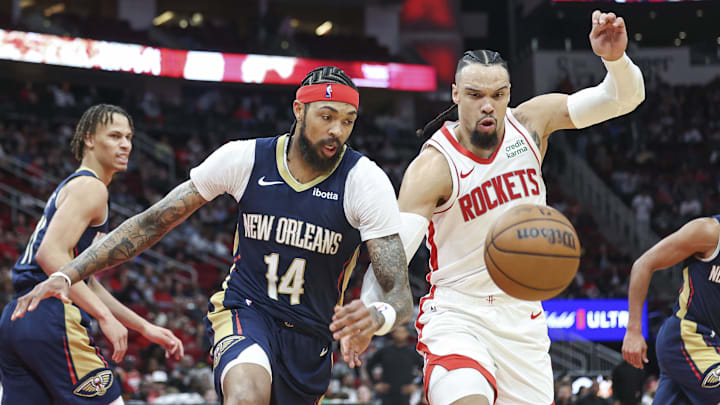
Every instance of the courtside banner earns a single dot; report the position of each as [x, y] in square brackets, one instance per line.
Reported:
[200, 65]
[589, 319]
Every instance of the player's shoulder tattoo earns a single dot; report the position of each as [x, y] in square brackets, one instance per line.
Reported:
[536, 138]
[525, 121]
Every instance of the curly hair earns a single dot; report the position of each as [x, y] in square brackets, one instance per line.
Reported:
[101, 114]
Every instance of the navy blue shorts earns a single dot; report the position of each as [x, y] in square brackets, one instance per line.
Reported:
[47, 357]
[300, 363]
[689, 359]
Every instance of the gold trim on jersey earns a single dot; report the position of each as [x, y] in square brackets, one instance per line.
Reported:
[684, 295]
[701, 354]
[81, 168]
[348, 272]
[220, 318]
[84, 357]
[285, 173]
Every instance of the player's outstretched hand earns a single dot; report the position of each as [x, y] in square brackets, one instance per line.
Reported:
[634, 349]
[354, 325]
[165, 338]
[608, 36]
[116, 334]
[52, 287]
[352, 347]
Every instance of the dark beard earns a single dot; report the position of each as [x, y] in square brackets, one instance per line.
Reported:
[484, 141]
[311, 152]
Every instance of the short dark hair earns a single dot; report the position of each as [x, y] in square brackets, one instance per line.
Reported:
[324, 74]
[479, 56]
[91, 118]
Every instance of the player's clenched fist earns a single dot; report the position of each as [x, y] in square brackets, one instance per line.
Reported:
[608, 36]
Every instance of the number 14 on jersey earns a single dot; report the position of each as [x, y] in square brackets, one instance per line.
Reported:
[290, 283]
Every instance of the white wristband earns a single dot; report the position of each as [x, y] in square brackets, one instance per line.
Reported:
[388, 313]
[63, 275]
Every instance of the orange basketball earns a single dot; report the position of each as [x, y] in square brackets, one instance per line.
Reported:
[532, 252]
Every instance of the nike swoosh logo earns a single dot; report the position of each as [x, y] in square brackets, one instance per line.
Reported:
[263, 183]
[463, 175]
[323, 351]
[534, 316]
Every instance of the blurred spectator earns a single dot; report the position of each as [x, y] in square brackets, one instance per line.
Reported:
[650, 388]
[642, 205]
[563, 393]
[627, 383]
[63, 97]
[158, 388]
[400, 364]
[129, 375]
[591, 396]
[690, 207]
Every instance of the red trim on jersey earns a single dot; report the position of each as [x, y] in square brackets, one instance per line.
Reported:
[433, 247]
[447, 157]
[710, 344]
[237, 323]
[97, 351]
[692, 291]
[421, 347]
[69, 362]
[339, 283]
[526, 138]
[466, 152]
[453, 362]
[690, 362]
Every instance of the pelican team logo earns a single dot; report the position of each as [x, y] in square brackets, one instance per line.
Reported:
[95, 385]
[712, 378]
[223, 346]
[328, 91]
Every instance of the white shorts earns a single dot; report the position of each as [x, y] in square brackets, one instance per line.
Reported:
[504, 339]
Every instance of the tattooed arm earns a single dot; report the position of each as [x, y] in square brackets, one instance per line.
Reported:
[138, 233]
[387, 256]
[128, 240]
[355, 324]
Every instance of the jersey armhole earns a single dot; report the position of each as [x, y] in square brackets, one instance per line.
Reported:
[714, 255]
[522, 130]
[453, 174]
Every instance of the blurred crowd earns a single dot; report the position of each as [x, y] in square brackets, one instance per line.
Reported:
[663, 163]
[172, 137]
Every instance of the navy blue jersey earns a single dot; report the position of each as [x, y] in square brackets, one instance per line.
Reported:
[294, 248]
[27, 273]
[700, 293]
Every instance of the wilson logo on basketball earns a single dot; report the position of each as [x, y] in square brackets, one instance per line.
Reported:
[530, 240]
[553, 236]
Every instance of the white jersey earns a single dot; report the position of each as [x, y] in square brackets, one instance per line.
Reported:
[483, 190]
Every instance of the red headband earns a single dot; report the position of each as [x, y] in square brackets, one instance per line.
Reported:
[328, 92]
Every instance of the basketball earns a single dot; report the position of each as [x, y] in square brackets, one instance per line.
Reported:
[532, 252]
